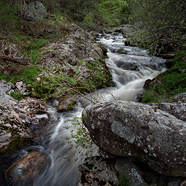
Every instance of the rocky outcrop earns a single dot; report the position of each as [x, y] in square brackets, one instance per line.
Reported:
[73, 55]
[33, 11]
[120, 171]
[124, 29]
[75, 63]
[21, 88]
[19, 120]
[139, 131]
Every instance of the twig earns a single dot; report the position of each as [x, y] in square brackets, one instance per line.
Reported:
[81, 94]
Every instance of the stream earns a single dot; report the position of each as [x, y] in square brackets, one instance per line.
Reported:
[129, 72]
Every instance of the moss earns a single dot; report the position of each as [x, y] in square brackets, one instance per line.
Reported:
[123, 180]
[169, 83]
[70, 106]
[16, 95]
[16, 144]
[29, 37]
[7, 14]
[62, 85]
[27, 73]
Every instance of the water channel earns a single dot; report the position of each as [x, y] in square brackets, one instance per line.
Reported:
[130, 68]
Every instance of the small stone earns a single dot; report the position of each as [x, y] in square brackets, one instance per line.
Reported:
[55, 103]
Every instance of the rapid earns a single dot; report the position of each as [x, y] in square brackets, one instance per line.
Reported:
[130, 67]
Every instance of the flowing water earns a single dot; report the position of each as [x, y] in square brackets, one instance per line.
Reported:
[129, 72]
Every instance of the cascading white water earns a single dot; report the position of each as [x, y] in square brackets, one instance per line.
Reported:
[63, 154]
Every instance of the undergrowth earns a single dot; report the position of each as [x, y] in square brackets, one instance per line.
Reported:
[27, 73]
[169, 83]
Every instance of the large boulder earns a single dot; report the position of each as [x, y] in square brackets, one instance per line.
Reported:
[33, 11]
[139, 131]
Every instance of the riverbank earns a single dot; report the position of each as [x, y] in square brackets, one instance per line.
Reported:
[46, 65]
[170, 83]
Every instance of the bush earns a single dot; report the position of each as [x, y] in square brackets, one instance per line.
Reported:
[169, 83]
[164, 22]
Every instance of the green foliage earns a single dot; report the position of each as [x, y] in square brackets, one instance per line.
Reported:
[157, 13]
[51, 86]
[16, 95]
[79, 135]
[112, 12]
[61, 84]
[17, 143]
[7, 13]
[169, 83]
[123, 180]
[28, 73]
[93, 14]
[163, 21]
[32, 44]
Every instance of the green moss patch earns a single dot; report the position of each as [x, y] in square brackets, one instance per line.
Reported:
[169, 83]
[16, 95]
[27, 74]
[16, 144]
[63, 85]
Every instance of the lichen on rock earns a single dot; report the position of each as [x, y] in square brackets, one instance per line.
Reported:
[154, 136]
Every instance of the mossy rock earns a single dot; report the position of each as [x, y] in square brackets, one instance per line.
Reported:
[66, 105]
[17, 144]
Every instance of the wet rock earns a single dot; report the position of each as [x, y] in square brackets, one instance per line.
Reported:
[26, 168]
[136, 130]
[65, 105]
[33, 11]
[96, 171]
[124, 29]
[28, 121]
[103, 49]
[167, 56]
[105, 155]
[127, 66]
[121, 51]
[33, 115]
[130, 172]
[55, 103]
[176, 109]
